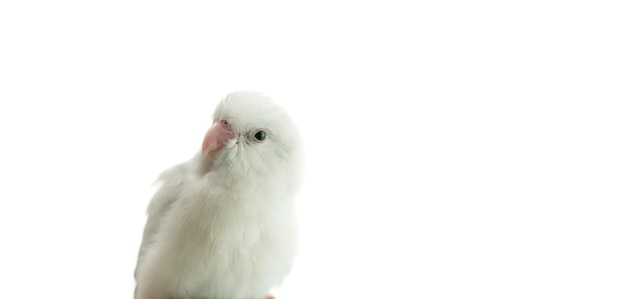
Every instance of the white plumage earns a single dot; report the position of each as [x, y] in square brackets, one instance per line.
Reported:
[223, 223]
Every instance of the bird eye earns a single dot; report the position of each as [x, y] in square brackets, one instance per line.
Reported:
[260, 135]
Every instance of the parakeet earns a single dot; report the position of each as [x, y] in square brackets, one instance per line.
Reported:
[223, 224]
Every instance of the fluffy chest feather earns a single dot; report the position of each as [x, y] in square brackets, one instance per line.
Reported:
[225, 235]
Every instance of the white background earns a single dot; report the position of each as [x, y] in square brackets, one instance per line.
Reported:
[456, 149]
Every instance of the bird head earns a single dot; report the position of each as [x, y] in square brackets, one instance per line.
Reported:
[251, 136]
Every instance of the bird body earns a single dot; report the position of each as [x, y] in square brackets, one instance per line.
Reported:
[223, 224]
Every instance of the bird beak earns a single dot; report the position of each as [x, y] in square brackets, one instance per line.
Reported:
[217, 136]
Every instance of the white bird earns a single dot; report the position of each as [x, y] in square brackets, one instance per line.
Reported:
[223, 224]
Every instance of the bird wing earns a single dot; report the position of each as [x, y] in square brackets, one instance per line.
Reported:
[173, 181]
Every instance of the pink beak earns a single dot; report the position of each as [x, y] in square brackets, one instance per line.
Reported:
[217, 136]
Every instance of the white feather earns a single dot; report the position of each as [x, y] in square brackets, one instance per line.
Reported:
[226, 228]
